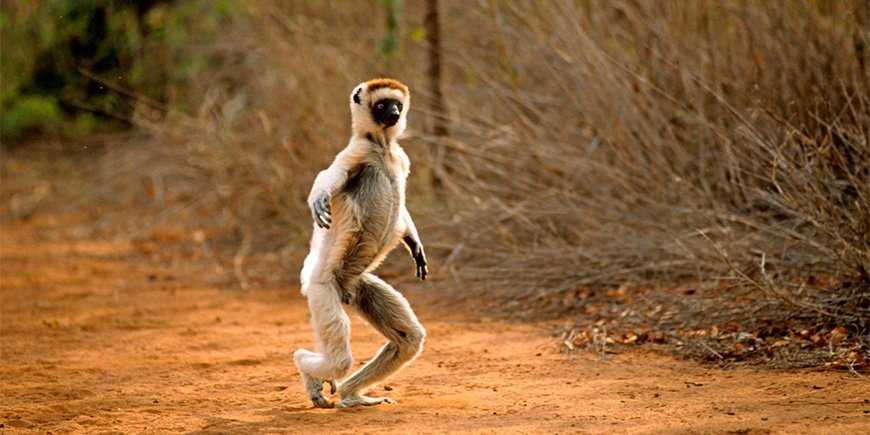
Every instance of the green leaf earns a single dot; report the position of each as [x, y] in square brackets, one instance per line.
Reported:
[418, 34]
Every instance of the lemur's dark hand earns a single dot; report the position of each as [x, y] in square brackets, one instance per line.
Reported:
[420, 259]
[321, 210]
[419, 255]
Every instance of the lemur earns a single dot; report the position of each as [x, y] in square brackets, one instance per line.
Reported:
[358, 208]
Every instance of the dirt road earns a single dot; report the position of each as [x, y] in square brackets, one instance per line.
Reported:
[97, 336]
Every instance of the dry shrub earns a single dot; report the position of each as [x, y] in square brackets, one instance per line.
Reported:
[638, 142]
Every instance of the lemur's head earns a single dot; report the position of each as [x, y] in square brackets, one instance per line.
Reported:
[380, 105]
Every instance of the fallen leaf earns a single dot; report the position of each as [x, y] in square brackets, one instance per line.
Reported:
[780, 343]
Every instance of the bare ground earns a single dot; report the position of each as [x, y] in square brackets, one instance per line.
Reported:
[110, 336]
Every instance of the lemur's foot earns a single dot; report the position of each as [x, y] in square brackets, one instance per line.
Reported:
[314, 387]
[320, 401]
[357, 400]
[332, 385]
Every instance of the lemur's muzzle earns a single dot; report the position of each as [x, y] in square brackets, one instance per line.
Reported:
[391, 117]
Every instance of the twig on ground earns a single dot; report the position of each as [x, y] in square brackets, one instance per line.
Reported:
[706, 346]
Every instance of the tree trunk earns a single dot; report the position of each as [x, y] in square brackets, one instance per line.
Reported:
[433, 37]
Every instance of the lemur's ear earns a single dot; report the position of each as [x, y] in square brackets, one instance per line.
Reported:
[356, 95]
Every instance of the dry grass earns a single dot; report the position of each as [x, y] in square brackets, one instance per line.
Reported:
[593, 144]
[666, 143]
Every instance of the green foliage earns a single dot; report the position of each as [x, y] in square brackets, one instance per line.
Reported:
[30, 111]
[75, 66]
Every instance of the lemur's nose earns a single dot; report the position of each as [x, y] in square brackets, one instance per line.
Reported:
[392, 117]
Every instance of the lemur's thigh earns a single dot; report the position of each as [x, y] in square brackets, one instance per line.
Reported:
[387, 311]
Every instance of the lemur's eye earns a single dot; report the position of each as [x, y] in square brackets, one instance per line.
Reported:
[399, 106]
[380, 105]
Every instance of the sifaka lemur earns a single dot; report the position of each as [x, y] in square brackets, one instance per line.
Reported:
[358, 207]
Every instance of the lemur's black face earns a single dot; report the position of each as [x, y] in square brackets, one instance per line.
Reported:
[387, 111]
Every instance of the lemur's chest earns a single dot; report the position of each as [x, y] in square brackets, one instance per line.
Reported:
[373, 196]
[375, 185]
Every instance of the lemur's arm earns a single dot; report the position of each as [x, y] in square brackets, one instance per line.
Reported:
[327, 184]
[415, 246]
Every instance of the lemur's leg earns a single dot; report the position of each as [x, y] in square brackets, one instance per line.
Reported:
[389, 312]
[332, 359]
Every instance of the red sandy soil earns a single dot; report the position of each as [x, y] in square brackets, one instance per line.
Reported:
[102, 337]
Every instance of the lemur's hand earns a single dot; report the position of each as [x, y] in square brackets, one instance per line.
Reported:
[420, 259]
[321, 210]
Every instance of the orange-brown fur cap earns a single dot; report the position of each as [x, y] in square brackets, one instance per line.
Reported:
[373, 84]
